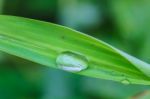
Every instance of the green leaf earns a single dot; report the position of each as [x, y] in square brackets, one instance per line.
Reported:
[42, 42]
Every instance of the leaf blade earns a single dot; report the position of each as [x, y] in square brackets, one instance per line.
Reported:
[42, 42]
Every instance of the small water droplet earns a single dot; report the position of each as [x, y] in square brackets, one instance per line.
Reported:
[72, 62]
[125, 82]
[1, 37]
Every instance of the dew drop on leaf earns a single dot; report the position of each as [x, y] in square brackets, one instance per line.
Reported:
[72, 62]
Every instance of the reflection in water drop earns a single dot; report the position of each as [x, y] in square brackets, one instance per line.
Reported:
[125, 82]
[71, 61]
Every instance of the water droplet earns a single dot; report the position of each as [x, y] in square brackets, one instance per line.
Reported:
[1, 37]
[125, 82]
[72, 62]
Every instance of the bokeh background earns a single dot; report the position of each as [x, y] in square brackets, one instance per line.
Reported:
[124, 24]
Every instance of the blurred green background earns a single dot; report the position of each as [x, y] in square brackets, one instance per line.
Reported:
[124, 24]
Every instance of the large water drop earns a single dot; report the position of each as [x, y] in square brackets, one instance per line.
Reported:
[72, 62]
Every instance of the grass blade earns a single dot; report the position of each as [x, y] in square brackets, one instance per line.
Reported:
[42, 42]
